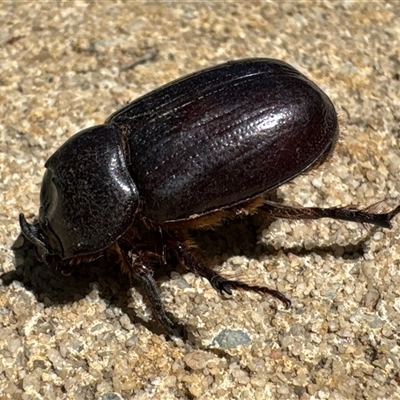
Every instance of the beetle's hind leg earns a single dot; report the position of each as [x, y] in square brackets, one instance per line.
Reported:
[347, 214]
[139, 266]
[186, 257]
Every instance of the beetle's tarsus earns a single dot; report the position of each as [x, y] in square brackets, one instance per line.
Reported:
[382, 220]
[392, 214]
[218, 282]
[225, 285]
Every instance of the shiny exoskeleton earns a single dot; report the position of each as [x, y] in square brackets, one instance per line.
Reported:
[188, 155]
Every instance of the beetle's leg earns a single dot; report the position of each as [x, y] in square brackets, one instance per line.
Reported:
[347, 214]
[218, 282]
[138, 265]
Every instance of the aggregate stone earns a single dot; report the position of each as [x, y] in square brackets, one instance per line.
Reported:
[91, 335]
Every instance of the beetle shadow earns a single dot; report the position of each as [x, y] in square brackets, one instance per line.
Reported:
[238, 237]
[52, 288]
[241, 237]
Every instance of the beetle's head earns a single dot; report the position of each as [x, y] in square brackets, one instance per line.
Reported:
[88, 199]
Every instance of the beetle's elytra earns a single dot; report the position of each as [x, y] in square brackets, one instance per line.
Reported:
[188, 155]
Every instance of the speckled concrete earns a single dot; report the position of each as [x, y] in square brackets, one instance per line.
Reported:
[67, 66]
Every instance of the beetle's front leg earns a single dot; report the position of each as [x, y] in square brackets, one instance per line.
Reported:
[138, 265]
[347, 214]
[217, 281]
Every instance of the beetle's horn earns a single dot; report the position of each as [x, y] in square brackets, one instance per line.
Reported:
[32, 233]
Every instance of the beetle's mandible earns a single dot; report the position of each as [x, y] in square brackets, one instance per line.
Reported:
[188, 155]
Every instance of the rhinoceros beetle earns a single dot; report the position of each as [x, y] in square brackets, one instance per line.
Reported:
[197, 151]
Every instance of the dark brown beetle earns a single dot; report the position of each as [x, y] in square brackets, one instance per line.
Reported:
[201, 149]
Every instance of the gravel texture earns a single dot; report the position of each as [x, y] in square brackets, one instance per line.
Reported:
[68, 65]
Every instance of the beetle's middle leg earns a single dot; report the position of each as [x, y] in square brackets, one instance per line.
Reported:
[347, 214]
[217, 281]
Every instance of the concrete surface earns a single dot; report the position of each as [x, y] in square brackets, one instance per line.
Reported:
[66, 66]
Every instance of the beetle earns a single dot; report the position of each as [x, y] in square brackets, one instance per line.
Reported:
[189, 155]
